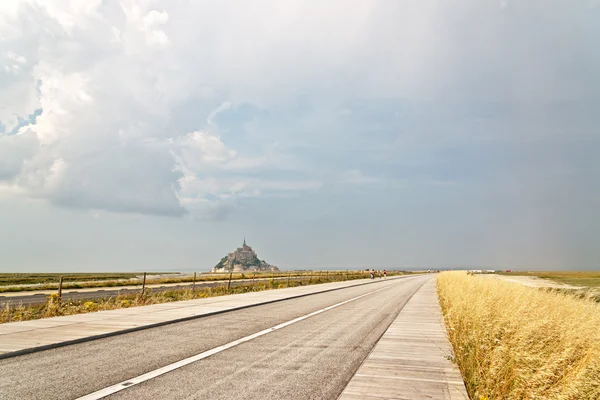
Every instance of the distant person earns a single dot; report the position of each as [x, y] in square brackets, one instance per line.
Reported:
[372, 273]
[384, 274]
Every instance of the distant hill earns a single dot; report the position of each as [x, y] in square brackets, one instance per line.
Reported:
[243, 259]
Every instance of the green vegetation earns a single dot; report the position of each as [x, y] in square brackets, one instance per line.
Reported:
[221, 263]
[46, 278]
[48, 281]
[255, 261]
[81, 281]
[588, 282]
[73, 281]
[589, 279]
[54, 307]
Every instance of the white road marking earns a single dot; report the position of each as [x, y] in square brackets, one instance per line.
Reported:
[171, 367]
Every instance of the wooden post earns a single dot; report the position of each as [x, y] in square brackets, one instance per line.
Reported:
[194, 283]
[253, 275]
[60, 283]
[144, 284]
[229, 283]
[346, 274]
[310, 277]
[327, 275]
[288, 280]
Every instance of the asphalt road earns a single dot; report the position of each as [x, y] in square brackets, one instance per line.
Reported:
[70, 294]
[311, 359]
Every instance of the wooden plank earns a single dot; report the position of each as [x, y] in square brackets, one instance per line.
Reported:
[411, 360]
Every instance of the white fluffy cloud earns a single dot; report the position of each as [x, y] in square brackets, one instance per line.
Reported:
[95, 71]
[111, 78]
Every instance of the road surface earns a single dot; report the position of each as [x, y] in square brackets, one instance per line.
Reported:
[313, 357]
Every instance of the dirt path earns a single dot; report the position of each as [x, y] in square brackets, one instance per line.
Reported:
[533, 281]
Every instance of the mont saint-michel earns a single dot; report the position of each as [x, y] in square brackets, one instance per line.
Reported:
[243, 259]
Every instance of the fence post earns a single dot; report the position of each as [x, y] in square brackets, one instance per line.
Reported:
[327, 275]
[194, 283]
[288, 280]
[229, 283]
[60, 284]
[144, 284]
[253, 275]
[310, 277]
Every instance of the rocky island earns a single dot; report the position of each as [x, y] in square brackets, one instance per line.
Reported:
[243, 259]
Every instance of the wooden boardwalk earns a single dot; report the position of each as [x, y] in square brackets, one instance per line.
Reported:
[411, 361]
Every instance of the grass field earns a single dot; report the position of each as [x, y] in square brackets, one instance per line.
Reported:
[13, 282]
[7, 279]
[54, 307]
[589, 279]
[516, 342]
[30, 282]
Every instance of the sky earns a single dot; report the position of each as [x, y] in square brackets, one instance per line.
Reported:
[155, 135]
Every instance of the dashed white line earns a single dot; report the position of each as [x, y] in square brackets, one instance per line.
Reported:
[171, 367]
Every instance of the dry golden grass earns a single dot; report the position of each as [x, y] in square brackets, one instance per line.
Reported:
[515, 342]
[13, 282]
[54, 307]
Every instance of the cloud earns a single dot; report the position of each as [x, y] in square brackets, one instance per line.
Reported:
[14, 150]
[135, 95]
[137, 179]
[355, 177]
[199, 148]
